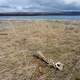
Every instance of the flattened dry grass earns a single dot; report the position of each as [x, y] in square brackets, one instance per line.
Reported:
[58, 40]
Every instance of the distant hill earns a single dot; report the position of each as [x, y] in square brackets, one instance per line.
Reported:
[71, 13]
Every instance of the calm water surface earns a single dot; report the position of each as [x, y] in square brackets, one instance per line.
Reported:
[40, 17]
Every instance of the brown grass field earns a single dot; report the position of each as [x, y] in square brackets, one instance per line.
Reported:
[58, 40]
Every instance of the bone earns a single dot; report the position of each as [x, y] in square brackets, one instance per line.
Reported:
[50, 62]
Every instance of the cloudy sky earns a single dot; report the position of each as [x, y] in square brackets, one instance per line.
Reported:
[38, 5]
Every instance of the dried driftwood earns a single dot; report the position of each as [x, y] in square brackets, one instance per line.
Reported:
[50, 62]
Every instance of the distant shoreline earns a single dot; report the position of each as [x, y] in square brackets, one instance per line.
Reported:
[40, 14]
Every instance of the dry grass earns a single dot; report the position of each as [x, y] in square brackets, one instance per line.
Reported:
[58, 40]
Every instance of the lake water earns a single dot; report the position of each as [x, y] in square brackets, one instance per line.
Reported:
[40, 17]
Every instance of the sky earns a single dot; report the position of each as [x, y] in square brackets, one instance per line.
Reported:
[38, 5]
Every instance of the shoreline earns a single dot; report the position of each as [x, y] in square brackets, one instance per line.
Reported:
[39, 20]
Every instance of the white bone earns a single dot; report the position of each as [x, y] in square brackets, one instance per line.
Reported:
[50, 62]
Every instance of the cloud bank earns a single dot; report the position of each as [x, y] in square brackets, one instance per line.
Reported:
[75, 2]
[39, 5]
